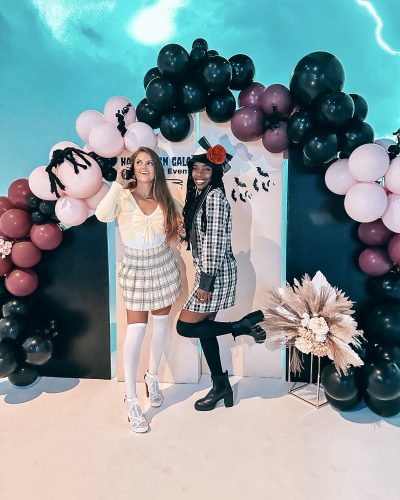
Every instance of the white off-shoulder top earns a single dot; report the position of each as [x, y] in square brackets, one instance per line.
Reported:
[138, 230]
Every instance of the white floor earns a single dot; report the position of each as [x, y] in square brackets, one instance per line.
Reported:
[69, 439]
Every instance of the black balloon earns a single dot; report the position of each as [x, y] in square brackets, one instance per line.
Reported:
[212, 53]
[383, 324]
[298, 126]
[47, 207]
[316, 166]
[387, 286]
[38, 349]
[197, 56]
[161, 94]
[320, 146]
[383, 408]
[342, 391]
[175, 126]
[193, 97]
[33, 201]
[24, 375]
[335, 109]
[383, 381]
[243, 71]
[360, 107]
[17, 307]
[217, 74]
[146, 114]
[4, 293]
[38, 217]
[12, 328]
[221, 106]
[173, 62]
[356, 133]
[150, 75]
[315, 75]
[9, 358]
[110, 175]
[384, 353]
[200, 43]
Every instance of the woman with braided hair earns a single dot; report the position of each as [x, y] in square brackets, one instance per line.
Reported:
[208, 228]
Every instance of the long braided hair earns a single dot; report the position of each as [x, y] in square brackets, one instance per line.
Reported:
[193, 198]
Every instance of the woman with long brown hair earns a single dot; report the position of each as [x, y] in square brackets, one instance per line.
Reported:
[149, 275]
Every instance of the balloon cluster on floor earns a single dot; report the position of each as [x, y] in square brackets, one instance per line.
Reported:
[27, 228]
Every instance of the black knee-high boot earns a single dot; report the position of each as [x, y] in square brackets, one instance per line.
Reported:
[209, 329]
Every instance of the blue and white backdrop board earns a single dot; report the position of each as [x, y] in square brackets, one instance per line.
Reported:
[254, 190]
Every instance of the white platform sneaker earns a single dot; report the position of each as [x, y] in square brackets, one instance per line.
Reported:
[152, 390]
[137, 421]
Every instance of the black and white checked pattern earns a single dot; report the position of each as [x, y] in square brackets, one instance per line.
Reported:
[150, 278]
[214, 255]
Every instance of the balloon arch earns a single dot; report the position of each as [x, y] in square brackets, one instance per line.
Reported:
[313, 113]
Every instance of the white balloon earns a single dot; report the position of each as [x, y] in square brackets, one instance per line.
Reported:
[116, 104]
[365, 201]
[86, 121]
[392, 177]
[368, 163]
[106, 140]
[391, 217]
[338, 178]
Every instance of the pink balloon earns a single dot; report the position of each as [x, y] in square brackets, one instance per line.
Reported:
[86, 121]
[392, 177]
[106, 140]
[94, 200]
[84, 184]
[25, 254]
[375, 261]
[18, 193]
[275, 140]
[374, 233]
[251, 94]
[247, 123]
[46, 236]
[394, 248]
[5, 204]
[21, 282]
[62, 145]
[71, 211]
[365, 201]
[338, 178]
[391, 217]
[368, 163]
[276, 99]
[40, 184]
[15, 223]
[139, 134]
[116, 104]
[5, 265]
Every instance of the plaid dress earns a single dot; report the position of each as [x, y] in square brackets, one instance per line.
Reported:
[212, 255]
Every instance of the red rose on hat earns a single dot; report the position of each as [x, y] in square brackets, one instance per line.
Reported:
[217, 154]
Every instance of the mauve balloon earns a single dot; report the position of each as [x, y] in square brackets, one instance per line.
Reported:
[374, 233]
[276, 99]
[394, 248]
[250, 95]
[25, 254]
[375, 261]
[275, 140]
[247, 123]
[22, 282]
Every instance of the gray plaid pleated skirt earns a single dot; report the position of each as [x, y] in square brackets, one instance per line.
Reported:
[150, 279]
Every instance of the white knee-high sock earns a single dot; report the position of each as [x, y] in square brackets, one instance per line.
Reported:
[160, 330]
[132, 345]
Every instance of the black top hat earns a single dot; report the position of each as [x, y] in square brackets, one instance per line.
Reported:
[215, 156]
